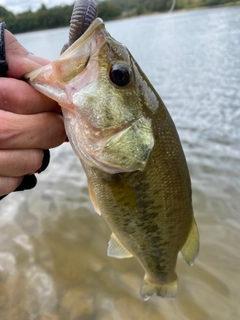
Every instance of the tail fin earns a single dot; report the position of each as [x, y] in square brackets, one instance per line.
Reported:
[164, 290]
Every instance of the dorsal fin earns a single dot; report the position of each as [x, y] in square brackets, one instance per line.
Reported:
[116, 249]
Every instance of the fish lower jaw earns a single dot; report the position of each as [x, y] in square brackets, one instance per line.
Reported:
[110, 162]
[110, 154]
[97, 162]
[121, 149]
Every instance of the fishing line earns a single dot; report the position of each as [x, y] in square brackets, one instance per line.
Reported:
[172, 6]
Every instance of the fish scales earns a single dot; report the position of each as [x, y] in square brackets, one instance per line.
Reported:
[145, 219]
[130, 150]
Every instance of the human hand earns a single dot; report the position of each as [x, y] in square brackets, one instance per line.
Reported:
[29, 122]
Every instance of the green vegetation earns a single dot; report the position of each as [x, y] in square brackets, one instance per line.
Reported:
[42, 19]
[55, 17]
[59, 16]
[135, 7]
[108, 10]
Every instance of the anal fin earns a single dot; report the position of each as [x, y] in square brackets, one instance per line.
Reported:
[116, 249]
[190, 249]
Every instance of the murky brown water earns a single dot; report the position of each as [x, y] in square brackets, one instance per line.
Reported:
[54, 265]
[53, 262]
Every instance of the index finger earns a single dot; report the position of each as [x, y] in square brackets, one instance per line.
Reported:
[20, 60]
[25, 100]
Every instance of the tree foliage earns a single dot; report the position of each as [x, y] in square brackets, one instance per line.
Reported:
[142, 6]
[59, 16]
[44, 18]
[108, 10]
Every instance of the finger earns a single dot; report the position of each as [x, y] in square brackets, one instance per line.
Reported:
[39, 131]
[28, 182]
[20, 61]
[21, 101]
[9, 184]
[16, 163]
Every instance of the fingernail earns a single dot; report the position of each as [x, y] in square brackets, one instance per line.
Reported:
[45, 162]
[28, 182]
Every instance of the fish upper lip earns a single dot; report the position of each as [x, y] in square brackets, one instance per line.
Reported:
[97, 23]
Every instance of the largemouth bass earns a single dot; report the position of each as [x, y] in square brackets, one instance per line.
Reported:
[130, 150]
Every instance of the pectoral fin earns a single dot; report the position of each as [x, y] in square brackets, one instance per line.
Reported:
[116, 249]
[191, 247]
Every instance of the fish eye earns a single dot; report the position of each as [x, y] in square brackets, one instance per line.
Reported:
[120, 75]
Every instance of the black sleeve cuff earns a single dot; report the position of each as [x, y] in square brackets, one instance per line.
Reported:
[3, 63]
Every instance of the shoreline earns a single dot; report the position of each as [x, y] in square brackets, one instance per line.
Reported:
[232, 4]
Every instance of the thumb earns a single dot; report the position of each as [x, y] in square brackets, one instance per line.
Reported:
[20, 60]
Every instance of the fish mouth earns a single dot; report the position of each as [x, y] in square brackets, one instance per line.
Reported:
[70, 64]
